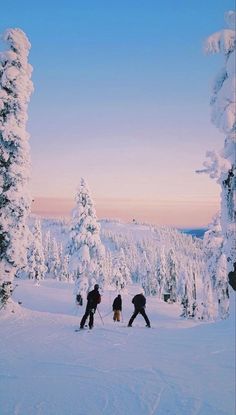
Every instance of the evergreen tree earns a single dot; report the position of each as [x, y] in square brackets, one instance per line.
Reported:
[47, 251]
[171, 279]
[192, 307]
[145, 273]
[54, 261]
[161, 273]
[121, 273]
[15, 91]
[124, 269]
[107, 269]
[117, 278]
[222, 287]
[64, 271]
[216, 264]
[36, 261]
[223, 164]
[213, 246]
[85, 247]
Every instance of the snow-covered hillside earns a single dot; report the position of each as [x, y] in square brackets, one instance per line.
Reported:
[163, 260]
[178, 367]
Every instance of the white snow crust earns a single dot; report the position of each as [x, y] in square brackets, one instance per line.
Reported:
[178, 367]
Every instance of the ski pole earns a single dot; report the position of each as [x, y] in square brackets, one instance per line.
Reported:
[107, 314]
[122, 317]
[100, 316]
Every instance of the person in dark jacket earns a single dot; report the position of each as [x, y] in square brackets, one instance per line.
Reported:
[93, 298]
[139, 302]
[117, 307]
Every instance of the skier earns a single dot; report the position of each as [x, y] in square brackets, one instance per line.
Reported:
[139, 302]
[117, 307]
[93, 298]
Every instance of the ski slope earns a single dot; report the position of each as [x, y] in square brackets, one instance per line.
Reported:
[177, 367]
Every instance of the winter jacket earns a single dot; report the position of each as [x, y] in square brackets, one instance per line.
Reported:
[94, 298]
[117, 303]
[139, 301]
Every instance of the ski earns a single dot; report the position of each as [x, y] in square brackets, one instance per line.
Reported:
[77, 330]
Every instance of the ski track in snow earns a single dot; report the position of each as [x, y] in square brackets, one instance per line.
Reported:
[177, 368]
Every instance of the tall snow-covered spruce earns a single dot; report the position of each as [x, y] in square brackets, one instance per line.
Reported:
[36, 261]
[15, 90]
[222, 165]
[217, 267]
[85, 246]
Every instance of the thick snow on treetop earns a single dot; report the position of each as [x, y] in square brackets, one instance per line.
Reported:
[18, 71]
[17, 40]
[224, 89]
[223, 41]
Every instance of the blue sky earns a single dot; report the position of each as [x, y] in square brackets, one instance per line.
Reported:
[121, 98]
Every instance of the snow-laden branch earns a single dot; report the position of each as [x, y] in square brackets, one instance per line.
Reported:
[215, 165]
[223, 41]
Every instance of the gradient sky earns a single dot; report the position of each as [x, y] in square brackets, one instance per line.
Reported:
[121, 98]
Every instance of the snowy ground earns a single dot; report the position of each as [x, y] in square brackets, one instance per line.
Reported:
[178, 367]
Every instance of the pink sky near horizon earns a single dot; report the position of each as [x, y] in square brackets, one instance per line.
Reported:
[153, 182]
[180, 213]
[124, 103]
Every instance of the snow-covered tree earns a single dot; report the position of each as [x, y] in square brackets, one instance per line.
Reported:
[85, 246]
[213, 246]
[121, 272]
[216, 265]
[54, 260]
[64, 269]
[124, 269]
[222, 287]
[36, 262]
[146, 277]
[161, 273]
[107, 268]
[171, 277]
[117, 277]
[15, 90]
[222, 164]
[47, 250]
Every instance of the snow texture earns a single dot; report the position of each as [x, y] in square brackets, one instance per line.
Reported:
[178, 367]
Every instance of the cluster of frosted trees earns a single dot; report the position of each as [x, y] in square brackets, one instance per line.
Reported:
[46, 257]
[222, 164]
[167, 264]
[176, 267]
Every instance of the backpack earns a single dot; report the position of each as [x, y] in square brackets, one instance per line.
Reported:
[139, 301]
[79, 299]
